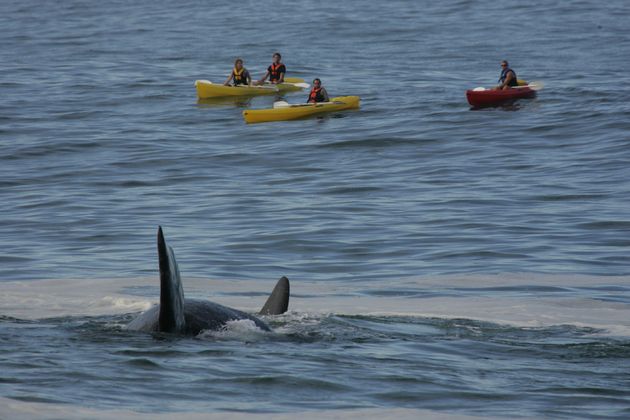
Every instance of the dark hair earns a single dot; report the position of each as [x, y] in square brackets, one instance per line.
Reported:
[278, 54]
[237, 60]
[506, 62]
[317, 80]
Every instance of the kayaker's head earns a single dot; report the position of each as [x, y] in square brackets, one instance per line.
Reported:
[317, 83]
[238, 63]
[504, 64]
[276, 57]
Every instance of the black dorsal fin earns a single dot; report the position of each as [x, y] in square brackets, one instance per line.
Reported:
[171, 319]
[278, 301]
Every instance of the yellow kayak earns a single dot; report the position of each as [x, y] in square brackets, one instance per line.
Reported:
[283, 111]
[206, 89]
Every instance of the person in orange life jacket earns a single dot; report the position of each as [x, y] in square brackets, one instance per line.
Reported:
[239, 75]
[318, 93]
[508, 77]
[275, 72]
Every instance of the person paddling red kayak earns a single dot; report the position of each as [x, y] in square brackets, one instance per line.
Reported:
[508, 90]
[507, 79]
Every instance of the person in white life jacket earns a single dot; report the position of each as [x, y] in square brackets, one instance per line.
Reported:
[275, 72]
[318, 93]
[239, 75]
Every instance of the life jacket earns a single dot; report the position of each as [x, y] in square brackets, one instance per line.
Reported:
[240, 77]
[316, 95]
[504, 73]
[275, 70]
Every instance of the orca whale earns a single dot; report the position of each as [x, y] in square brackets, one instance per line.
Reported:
[177, 315]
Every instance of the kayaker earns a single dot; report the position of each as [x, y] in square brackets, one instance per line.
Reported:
[276, 71]
[318, 93]
[508, 77]
[239, 75]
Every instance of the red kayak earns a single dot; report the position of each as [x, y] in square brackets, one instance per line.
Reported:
[489, 97]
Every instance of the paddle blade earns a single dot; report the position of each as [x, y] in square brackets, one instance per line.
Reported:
[207, 82]
[479, 89]
[302, 85]
[536, 85]
[293, 80]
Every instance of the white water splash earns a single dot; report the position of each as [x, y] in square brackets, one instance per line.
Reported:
[239, 329]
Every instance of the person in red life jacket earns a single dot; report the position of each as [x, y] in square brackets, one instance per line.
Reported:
[239, 75]
[508, 77]
[275, 72]
[318, 93]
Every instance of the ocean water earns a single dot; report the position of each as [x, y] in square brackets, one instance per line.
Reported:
[444, 262]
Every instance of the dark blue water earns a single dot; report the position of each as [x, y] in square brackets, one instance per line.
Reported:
[102, 139]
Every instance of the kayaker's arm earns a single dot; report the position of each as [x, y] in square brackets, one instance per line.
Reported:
[248, 77]
[229, 79]
[325, 95]
[508, 79]
[281, 70]
[261, 81]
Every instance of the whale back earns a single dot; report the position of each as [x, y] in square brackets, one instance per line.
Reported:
[172, 312]
[176, 315]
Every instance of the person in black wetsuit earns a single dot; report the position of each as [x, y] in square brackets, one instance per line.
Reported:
[239, 75]
[318, 93]
[275, 72]
[508, 77]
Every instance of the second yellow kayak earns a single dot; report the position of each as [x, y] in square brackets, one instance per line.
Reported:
[286, 112]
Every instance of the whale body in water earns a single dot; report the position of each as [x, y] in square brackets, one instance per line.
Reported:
[178, 315]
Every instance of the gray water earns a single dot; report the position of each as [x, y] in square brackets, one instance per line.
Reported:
[491, 246]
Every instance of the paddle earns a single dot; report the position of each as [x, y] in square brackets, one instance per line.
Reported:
[297, 84]
[535, 85]
[283, 104]
[532, 85]
[293, 80]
